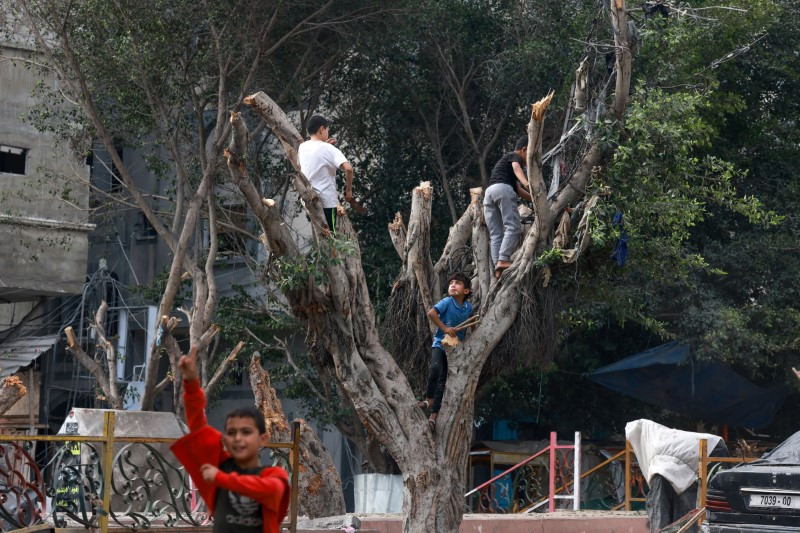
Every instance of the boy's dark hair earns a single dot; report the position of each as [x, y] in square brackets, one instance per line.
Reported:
[463, 278]
[521, 143]
[315, 123]
[249, 412]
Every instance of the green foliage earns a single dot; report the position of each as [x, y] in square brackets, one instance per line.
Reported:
[295, 272]
[548, 257]
[153, 291]
[249, 312]
[705, 174]
[394, 93]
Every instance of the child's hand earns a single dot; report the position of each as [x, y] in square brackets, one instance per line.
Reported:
[188, 365]
[451, 331]
[209, 472]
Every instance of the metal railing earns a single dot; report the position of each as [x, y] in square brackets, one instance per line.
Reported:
[521, 488]
[144, 487]
[515, 489]
[550, 475]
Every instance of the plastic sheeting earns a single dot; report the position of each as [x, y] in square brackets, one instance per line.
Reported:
[667, 376]
[787, 453]
[378, 493]
[671, 453]
[21, 352]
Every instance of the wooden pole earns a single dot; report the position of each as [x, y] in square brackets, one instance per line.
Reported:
[108, 464]
[551, 506]
[703, 473]
[627, 475]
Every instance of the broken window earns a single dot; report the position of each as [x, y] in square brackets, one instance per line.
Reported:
[12, 159]
[144, 229]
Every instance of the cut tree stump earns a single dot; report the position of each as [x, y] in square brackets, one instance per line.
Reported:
[11, 390]
[320, 486]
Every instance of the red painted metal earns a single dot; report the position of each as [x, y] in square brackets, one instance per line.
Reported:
[551, 506]
[518, 465]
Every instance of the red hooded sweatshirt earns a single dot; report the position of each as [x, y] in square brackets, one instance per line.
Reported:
[203, 445]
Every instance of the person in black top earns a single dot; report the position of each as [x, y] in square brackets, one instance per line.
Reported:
[506, 184]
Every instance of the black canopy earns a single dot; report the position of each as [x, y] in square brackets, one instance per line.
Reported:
[669, 377]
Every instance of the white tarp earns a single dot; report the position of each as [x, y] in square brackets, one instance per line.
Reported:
[378, 493]
[671, 453]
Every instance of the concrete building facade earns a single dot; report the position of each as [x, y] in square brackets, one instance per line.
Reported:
[44, 229]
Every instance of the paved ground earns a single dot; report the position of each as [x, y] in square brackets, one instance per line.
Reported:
[558, 522]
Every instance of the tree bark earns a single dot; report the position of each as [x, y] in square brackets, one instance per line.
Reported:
[320, 486]
[11, 390]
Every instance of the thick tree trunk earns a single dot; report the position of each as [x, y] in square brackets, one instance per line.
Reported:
[11, 390]
[320, 484]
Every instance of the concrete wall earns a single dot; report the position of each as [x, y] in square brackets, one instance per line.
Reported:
[43, 237]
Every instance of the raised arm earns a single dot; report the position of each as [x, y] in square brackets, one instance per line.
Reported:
[193, 397]
[348, 174]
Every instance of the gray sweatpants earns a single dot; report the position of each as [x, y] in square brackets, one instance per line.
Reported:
[502, 219]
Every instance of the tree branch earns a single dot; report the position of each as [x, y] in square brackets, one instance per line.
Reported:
[89, 364]
[111, 356]
[534, 162]
[223, 368]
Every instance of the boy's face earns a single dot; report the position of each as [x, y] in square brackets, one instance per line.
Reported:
[457, 289]
[324, 133]
[242, 440]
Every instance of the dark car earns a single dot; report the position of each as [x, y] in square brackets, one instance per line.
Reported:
[760, 496]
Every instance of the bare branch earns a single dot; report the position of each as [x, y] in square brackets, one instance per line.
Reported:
[223, 368]
[110, 355]
[90, 365]
[534, 162]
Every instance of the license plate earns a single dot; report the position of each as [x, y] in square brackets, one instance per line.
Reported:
[775, 501]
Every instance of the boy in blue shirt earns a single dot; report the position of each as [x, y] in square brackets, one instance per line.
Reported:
[446, 315]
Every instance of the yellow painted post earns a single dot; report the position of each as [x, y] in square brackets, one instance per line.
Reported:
[295, 473]
[108, 464]
[703, 474]
[627, 475]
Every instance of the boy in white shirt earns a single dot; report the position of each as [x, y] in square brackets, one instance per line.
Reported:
[319, 160]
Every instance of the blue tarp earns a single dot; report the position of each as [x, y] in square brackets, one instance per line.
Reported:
[669, 377]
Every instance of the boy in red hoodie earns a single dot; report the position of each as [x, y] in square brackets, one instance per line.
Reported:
[242, 496]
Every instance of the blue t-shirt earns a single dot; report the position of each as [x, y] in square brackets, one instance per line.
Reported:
[452, 315]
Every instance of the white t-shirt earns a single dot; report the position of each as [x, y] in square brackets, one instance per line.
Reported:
[318, 163]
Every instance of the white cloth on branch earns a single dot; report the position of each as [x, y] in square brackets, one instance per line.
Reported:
[671, 453]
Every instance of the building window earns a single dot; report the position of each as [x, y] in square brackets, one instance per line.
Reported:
[12, 159]
[144, 230]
